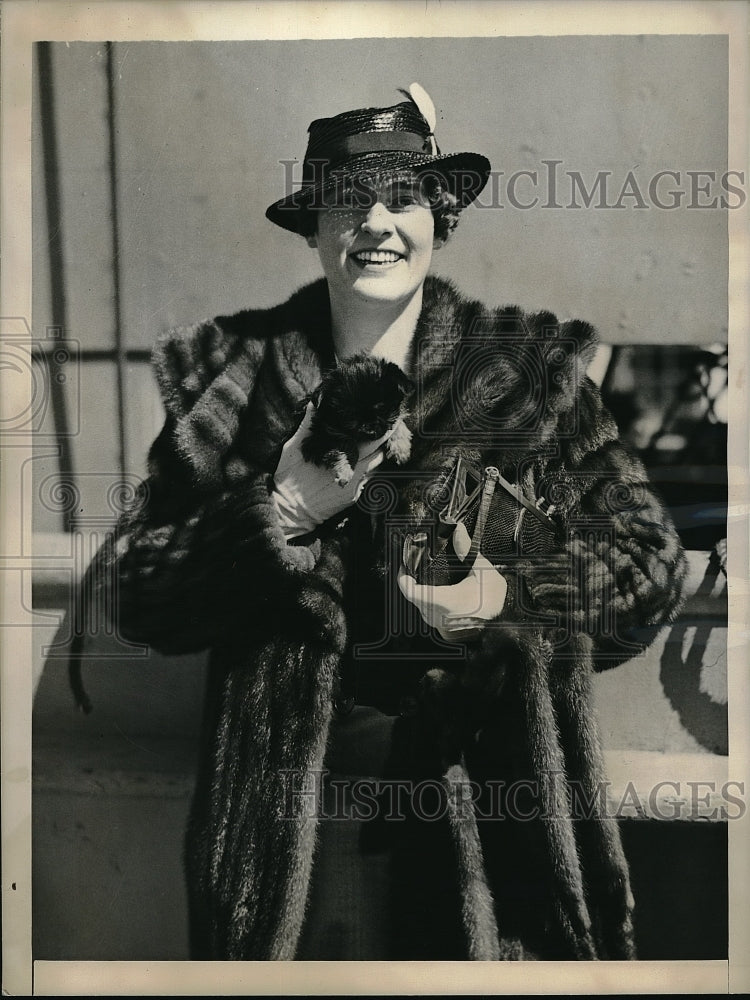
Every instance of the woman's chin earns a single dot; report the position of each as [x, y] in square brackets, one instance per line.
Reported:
[385, 288]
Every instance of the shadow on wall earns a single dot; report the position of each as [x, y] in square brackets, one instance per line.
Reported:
[687, 666]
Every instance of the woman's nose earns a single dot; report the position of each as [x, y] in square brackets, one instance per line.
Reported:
[378, 220]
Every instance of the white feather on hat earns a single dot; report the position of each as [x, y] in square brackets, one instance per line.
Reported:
[419, 96]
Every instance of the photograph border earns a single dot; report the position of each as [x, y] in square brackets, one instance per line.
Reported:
[24, 23]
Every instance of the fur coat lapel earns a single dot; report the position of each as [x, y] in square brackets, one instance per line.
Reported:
[495, 377]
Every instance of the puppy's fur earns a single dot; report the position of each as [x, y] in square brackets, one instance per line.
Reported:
[358, 401]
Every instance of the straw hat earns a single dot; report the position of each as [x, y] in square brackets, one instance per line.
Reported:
[376, 141]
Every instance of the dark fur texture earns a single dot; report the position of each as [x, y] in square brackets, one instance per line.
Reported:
[203, 563]
[359, 400]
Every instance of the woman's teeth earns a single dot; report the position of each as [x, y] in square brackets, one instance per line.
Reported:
[377, 256]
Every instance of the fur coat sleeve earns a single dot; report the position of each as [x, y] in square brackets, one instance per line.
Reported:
[205, 530]
[619, 575]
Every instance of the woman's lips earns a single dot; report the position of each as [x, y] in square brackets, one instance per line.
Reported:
[377, 257]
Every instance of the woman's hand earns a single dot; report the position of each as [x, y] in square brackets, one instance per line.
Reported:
[459, 611]
[306, 494]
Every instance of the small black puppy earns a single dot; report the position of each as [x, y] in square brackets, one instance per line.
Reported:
[357, 401]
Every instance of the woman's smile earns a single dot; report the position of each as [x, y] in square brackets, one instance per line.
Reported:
[377, 259]
[380, 253]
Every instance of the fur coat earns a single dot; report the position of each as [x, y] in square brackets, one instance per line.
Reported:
[201, 562]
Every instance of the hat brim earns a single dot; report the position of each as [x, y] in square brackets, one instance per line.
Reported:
[464, 174]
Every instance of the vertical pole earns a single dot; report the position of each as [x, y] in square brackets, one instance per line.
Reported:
[116, 273]
[57, 269]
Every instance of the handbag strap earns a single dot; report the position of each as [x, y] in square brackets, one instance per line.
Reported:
[541, 509]
[491, 478]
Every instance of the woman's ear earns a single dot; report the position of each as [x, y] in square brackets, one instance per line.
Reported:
[438, 242]
[312, 241]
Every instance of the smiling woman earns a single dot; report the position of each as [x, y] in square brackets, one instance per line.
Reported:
[293, 578]
[376, 259]
[363, 243]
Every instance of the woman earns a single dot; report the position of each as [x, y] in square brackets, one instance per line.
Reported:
[298, 588]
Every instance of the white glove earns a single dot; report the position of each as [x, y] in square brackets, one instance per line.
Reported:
[306, 494]
[459, 611]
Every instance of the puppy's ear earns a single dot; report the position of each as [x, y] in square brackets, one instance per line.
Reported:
[396, 377]
[405, 384]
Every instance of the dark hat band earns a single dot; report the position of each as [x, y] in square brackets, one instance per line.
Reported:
[372, 142]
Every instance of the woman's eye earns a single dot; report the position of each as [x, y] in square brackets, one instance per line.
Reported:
[405, 201]
[403, 198]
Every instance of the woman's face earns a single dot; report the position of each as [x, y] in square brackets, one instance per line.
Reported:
[378, 247]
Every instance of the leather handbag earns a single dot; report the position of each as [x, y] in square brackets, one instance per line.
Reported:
[500, 519]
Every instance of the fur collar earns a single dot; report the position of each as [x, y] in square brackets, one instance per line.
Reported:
[488, 379]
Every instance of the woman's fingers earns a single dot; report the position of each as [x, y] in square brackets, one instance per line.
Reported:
[371, 462]
[436, 604]
[492, 587]
[461, 633]
[428, 600]
[409, 587]
[368, 448]
[478, 598]
[304, 428]
[461, 541]
[420, 595]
